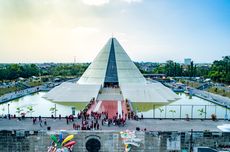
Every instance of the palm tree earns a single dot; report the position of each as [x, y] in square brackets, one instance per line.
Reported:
[161, 110]
[30, 110]
[53, 110]
[201, 111]
[19, 110]
[3, 109]
[172, 111]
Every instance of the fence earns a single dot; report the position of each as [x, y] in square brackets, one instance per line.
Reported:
[186, 111]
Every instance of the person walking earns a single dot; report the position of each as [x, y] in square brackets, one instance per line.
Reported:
[45, 122]
[40, 123]
[67, 120]
[33, 121]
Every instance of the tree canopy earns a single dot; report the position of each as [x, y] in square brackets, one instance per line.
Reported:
[14, 71]
[219, 71]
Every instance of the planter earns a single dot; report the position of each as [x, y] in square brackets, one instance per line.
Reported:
[213, 116]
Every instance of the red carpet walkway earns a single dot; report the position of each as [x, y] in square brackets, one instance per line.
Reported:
[109, 106]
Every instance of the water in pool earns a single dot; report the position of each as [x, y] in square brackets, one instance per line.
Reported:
[191, 106]
[40, 106]
[186, 105]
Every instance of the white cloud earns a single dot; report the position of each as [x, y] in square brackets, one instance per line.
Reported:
[132, 1]
[103, 2]
[123, 11]
[85, 30]
[95, 2]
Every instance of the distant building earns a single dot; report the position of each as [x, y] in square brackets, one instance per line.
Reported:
[187, 61]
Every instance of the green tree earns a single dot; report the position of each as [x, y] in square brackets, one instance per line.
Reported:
[30, 110]
[161, 110]
[19, 110]
[14, 71]
[220, 70]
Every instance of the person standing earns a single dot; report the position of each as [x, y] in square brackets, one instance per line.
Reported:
[40, 123]
[45, 123]
[67, 120]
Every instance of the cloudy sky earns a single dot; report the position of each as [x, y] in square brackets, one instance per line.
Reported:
[149, 30]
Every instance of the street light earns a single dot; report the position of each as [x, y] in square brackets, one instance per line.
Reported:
[8, 110]
[55, 111]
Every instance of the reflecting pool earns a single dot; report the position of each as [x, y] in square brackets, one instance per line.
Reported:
[39, 105]
[193, 107]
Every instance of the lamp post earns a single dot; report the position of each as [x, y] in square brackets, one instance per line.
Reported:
[55, 111]
[8, 110]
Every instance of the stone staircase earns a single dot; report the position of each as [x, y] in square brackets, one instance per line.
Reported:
[110, 94]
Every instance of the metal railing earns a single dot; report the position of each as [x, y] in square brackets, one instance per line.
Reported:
[186, 111]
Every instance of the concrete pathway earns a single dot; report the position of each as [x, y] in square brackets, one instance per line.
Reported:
[119, 109]
[149, 124]
[97, 106]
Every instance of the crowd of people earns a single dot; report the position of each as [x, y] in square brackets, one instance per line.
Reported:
[94, 121]
[40, 121]
[88, 120]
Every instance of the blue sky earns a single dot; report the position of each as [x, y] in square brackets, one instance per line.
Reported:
[149, 30]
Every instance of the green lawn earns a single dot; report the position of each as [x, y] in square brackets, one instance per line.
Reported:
[8, 90]
[77, 105]
[16, 88]
[219, 91]
[144, 106]
[194, 84]
[35, 83]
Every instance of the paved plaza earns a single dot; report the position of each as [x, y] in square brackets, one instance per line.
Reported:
[149, 124]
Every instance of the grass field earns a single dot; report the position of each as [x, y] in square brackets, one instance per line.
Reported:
[77, 105]
[144, 106]
[8, 90]
[17, 88]
[35, 83]
[219, 91]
